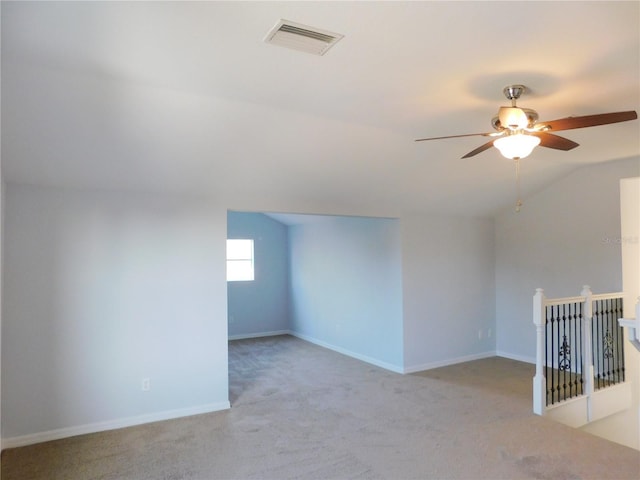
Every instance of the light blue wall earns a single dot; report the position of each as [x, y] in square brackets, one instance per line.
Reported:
[104, 289]
[449, 290]
[260, 306]
[346, 286]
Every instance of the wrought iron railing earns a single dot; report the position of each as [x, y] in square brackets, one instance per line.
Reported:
[564, 351]
[580, 346]
[608, 342]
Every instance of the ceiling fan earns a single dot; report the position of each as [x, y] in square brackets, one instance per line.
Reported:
[518, 131]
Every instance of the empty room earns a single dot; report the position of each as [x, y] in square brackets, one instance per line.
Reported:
[275, 240]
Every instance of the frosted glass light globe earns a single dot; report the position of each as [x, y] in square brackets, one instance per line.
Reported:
[516, 146]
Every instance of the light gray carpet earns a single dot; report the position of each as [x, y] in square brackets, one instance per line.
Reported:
[301, 411]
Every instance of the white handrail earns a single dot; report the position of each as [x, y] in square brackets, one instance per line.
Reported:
[560, 301]
[606, 296]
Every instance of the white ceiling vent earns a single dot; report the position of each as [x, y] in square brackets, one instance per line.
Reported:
[302, 37]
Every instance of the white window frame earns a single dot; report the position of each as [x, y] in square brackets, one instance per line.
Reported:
[240, 260]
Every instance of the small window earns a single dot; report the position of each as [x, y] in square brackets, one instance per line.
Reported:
[239, 260]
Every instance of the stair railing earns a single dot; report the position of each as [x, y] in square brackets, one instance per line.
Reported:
[579, 346]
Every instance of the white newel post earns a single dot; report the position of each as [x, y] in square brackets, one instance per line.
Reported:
[587, 360]
[539, 382]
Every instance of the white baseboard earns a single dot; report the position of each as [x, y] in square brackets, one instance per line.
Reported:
[513, 356]
[244, 336]
[349, 353]
[57, 434]
[450, 361]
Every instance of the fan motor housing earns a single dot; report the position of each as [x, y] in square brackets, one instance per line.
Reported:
[524, 118]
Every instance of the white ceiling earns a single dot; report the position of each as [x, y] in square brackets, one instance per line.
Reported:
[186, 97]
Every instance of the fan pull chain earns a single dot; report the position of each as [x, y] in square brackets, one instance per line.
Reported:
[518, 201]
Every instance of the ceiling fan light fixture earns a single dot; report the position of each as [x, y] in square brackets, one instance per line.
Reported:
[513, 117]
[516, 146]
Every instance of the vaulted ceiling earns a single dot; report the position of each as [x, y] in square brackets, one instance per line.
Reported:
[187, 97]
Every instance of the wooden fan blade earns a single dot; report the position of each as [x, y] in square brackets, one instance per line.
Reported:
[587, 121]
[456, 136]
[480, 149]
[554, 141]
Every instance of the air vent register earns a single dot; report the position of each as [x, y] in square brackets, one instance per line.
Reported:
[302, 37]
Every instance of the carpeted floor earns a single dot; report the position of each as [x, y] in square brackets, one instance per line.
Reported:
[303, 412]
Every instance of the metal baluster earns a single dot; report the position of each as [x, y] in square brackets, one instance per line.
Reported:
[573, 350]
[576, 348]
[562, 383]
[621, 337]
[580, 353]
[601, 354]
[566, 348]
[561, 363]
[553, 356]
[572, 343]
[619, 357]
[621, 344]
[594, 345]
[612, 326]
[557, 344]
[546, 351]
[605, 360]
[614, 359]
[576, 342]
[615, 333]
[607, 339]
[603, 321]
[597, 356]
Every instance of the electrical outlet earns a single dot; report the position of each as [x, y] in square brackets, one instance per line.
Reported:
[489, 333]
[480, 334]
[146, 384]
